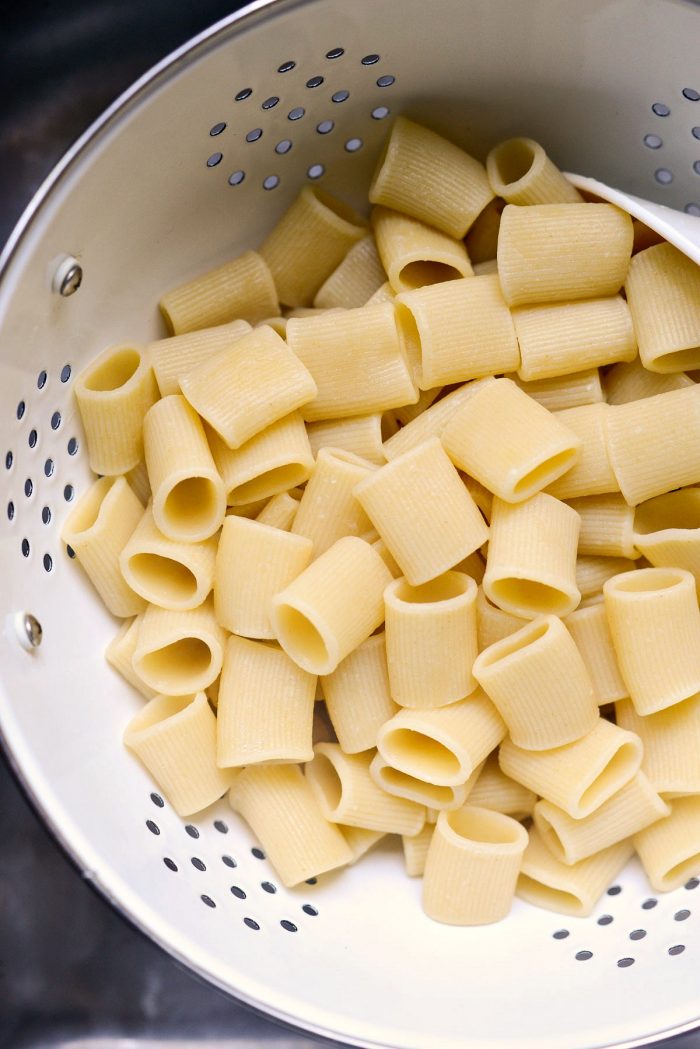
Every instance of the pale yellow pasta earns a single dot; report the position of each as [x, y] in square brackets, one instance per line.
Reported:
[357, 696]
[442, 746]
[384, 293]
[361, 435]
[671, 759]
[408, 412]
[630, 381]
[414, 254]
[279, 512]
[328, 509]
[432, 421]
[180, 354]
[552, 252]
[607, 526]
[179, 652]
[590, 630]
[425, 176]
[494, 790]
[189, 499]
[360, 839]
[355, 279]
[663, 292]
[254, 562]
[265, 706]
[138, 481]
[347, 793]
[472, 866]
[568, 889]
[318, 625]
[592, 573]
[520, 172]
[424, 624]
[415, 850]
[654, 443]
[508, 442]
[279, 805]
[670, 848]
[667, 530]
[113, 395]
[269, 382]
[458, 330]
[274, 460]
[564, 391]
[531, 562]
[308, 243]
[561, 338]
[97, 530]
[171, 574]
[655, 625]
[242, 289]
[356, 360]
[592, 473]
[524, 675]
[393, 781]
[482, 236]
[631, 809]
[120, 652]
[492, 623]
[175, 738]
[423, 512]
[581, 776]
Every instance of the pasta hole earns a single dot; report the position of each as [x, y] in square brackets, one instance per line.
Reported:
[424, 756]
[429, 793]
[547, 471]
[409, 337]
[536, 597]
[327, 779]
[649, 580]
[191, 504]
[547, 896]
[444, 588]
[482, 825]
[113, 372]
[513, 160]
[165, 576]
[679, 361]
[551, 838]
[270, 483]
[179, 662]
[423, 272]
[300, 637]
[678, 874]
[618, 771]
[87, 513]
[675, 510]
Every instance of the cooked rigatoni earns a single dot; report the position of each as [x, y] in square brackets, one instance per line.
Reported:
[176, 575]
[240, 289]
[279, 805]
[347, 793]
[592, 473]
[592, 573]
[318, 625]
[442, 746]
[355, 279]
[269, 382]
[492, 623]
[254, 561]
[393, 781]
[671, 759]
[581, 776]
[531, 563]
[357, 696]
[308, 243]
[97, 529]
[423, 175]
[415, 850]
[113, 395]
[663, 291]
[120, 652]
[265, 706]
[423, 623]
[628, 811]
[189, 499]
[408, 412]
[568, 888]
[356, 360]
[423, 512]
[359, 434]
[432, 421]
[415, 255]
[494, 790]
[520, 172]
[524, 675]
[179, 652]
[607, 526]
[590, 630]
[667, 530]
[670, 848]
[175, 738]
[630, 381]
[504, 439]
[654, 444]
[655, 626]
[564, 391]
[561, 338]
[552, 253]
[279, 512]
[458, 330]
[472, 866]
[177, 356]
[328, 509]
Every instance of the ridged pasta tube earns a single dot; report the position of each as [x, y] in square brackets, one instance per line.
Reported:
[431, 422]
[328, 509]
[592, 473]
[357, 696]
[414, 254]
[670, 848]
[359, 434]
[240, 289]
[354, 280]
[667, 530]
[564, 391]
[590, 630]
[180, 354]
[671, 759]
[492, 789]
[663, 291]
[393, 781]
[179, 652]
[520, 172]
[120, 652]
[630, 381]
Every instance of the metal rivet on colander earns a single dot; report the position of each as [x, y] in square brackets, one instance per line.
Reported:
[28, 630]
[68, 277]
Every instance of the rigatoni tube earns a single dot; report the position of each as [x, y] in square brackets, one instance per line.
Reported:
[663, 291]
[240, 289]
[670, 848]
[357, 696]
[328, 509]
[179, 652]
[175, 357]
[415, 255]
[671, 759]
[393, 781]
[520, 172]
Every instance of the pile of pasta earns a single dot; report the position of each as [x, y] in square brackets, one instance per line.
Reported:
[401, 521]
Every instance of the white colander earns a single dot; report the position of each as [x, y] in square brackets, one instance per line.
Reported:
[189, 168]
